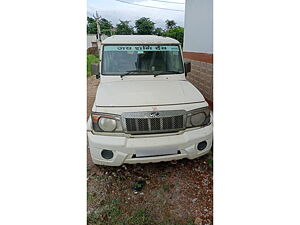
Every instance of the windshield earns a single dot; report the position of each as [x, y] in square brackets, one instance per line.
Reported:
[141, 59]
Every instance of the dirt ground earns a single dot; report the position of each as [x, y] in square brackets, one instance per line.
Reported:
[178, 192]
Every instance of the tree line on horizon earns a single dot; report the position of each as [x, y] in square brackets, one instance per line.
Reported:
[143, 26]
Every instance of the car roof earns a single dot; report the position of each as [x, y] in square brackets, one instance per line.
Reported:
[139, 39]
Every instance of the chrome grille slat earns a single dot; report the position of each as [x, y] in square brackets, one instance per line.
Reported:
[173, 123]
[137, 125]
[143, 123]
[149, 123]
[161, 123]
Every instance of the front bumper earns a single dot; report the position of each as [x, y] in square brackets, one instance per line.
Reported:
[125, 148]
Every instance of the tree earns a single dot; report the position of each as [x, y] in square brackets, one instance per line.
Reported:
[176, 33]
[144, 26]
[158, 31]
[170, 24]
[91, 26]
[124, 28]
[106, 26]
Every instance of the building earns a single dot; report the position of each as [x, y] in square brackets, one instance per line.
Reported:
[91, 40]
[198, 45]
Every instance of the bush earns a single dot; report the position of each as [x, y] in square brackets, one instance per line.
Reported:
[93, 51]
[91, 59]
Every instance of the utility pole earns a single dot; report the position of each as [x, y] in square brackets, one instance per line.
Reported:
[97, 18]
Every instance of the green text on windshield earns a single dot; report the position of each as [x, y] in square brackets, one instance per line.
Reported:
[141, 59]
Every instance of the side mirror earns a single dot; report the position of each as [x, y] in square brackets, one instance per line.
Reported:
[95, 70]
[187, 67]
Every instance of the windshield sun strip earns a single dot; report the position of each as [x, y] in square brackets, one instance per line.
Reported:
[118, 74]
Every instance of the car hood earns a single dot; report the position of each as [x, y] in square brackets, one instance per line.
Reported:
[146, 93]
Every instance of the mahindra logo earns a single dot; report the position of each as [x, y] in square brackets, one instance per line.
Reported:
[154, 114]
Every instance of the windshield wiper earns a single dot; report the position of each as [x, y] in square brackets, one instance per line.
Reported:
[167, 72]
[129, 72]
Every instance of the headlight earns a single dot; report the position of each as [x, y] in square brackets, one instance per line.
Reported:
[198, 117]
[104, 122]
[107, 124]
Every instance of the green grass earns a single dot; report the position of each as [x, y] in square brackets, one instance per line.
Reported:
[141, 217]
[166, 187]
[90, 196]
[91, 59]
[111, 214]
[163, 175]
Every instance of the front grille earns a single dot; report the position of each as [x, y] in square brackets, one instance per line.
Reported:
[142, 122]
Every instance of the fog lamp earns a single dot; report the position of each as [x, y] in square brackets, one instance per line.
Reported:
[202, 145]
[107, 154]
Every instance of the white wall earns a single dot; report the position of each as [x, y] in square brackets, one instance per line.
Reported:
[198, 26]
[91, 38]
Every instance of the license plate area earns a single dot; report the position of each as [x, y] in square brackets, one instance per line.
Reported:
[156, 152]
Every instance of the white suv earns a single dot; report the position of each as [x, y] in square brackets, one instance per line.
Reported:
[145, 109]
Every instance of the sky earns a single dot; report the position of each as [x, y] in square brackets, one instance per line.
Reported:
[115, 11]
